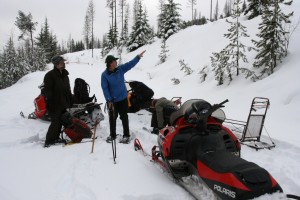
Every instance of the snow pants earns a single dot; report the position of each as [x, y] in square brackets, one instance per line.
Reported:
[55, 127]
[121, 108]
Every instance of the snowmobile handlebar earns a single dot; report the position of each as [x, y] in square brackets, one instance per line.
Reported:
[217, 106]
[223, 102]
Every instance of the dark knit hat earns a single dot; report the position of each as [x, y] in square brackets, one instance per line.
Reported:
[56, 59]
[109, 59]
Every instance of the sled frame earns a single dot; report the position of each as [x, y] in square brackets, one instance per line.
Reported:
[251, 130]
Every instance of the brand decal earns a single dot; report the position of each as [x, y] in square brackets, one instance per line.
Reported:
[224, 191]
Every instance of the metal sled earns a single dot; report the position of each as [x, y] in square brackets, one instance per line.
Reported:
[252, 129]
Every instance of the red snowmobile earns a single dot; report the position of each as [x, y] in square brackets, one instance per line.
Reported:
[85, 109]
[198, 150]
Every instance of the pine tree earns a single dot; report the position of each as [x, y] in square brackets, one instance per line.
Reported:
[271, 47]
[184, 67]
[89, 25]
[216, 15]
[112, 5]
[161, 8]
[244, 6]
[123, 7]
[106, 47]
[164, 52]
[47, 42]
[219, 62]
[169, 20]
[11, 68]
[227, 9]
[86, 31]
[236, 49]
[141, 31]
[124, 32]
[228, 60]
[110, 39]
[192, 4]
[26, 25]
[255, 7]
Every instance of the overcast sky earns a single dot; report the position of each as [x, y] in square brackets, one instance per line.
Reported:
[66, 17]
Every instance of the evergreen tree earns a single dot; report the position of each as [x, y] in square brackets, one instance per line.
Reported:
[184, 67]
[255, 7]
[244, 6]
[106, 46]
[124, 32]
[216, 15]
[169, 20]
[219, 62]
[226, 64]
[112, 5]
[227, 9]
[141, 31]
[161, 8]
[271, 47]
[110, 39]
[88, 30]
[164, 52]
[26, 25]
[192, 4]
[237, 31]
[47, 42]
[123, 7]
[11, 68]
[39, 60]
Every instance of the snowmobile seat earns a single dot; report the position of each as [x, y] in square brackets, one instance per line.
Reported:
[189, 109]
[225, 162]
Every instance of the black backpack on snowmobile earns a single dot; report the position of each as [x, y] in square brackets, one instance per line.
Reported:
[85, 107]
[81, 92]
[139, 96]
[197, 148]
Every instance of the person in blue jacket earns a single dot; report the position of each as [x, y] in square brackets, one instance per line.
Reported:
[115, 93]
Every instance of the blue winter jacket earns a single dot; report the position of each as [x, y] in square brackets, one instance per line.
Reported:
[113, 83]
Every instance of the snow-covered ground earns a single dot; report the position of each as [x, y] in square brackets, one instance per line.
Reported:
[30, 172]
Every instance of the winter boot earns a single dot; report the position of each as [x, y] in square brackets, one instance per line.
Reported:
[155, 131]
[109, 139]
[125, 140]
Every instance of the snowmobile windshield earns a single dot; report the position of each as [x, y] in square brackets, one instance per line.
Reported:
[219, 114]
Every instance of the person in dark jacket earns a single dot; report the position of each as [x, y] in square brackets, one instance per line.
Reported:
[115, 93]
[161, 110]
[58, 98]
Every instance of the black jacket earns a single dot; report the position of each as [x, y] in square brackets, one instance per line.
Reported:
[57, 90]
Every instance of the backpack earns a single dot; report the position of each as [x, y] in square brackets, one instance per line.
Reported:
[141, 91]
[75, 129]
[81, 92]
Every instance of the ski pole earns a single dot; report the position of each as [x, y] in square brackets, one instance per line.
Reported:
[114, 149]
[112, 124]
[94, 135]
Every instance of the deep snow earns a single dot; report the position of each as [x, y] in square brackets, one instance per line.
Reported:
[29, 171]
